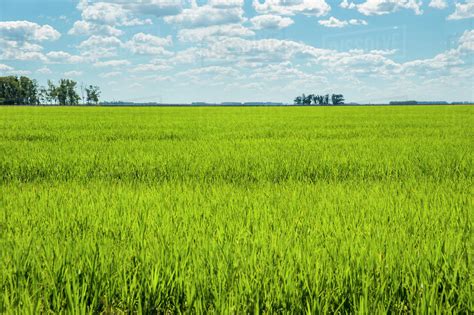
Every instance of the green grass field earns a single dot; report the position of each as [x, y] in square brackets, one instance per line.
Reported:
[237, 210]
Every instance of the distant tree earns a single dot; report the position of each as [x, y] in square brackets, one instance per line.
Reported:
[18, 91]
[52, 93]
[337, 99]
[28, 91]
[72, 97]
[298, 100]
[61, 92]
[42, 95]
[319, 100]
[65, 92]
[93, 94]
[307, 99]
[25, 91]
[9, 90]
[326, 99]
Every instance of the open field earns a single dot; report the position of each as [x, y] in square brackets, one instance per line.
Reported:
[237, 210]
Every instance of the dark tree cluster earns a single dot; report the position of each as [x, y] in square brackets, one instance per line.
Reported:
[313, 99]
[25, 91]
[18, 90]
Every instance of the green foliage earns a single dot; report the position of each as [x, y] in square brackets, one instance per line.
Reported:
[236, 210]
[24, 91]
[66, 92]
[93, 94]
[18, 91]
[337, 99]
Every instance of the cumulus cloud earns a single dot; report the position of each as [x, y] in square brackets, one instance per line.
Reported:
[20, 50]
[100, 41]
[292, 7]
[336, 23]
[108, 75]
[214, 72]
[103, 18]
[73, 73]
[99, 53]
[226, 3]
[463, 11]
[438, 4]
[88, 28]
[157, 8]
[269, 21]
[466, 42]
[112, 63]
[213, 32]
[110, 14]
[381, 7]
[63, 57]
[27, 31]
[150, 67]
[5, 68]
[207, 15]
[98, 47]
[147, 44]
[345, 4]
[283, 71]
[44, 70]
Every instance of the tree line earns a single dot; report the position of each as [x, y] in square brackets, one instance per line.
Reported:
[25, 91]
[334, 99]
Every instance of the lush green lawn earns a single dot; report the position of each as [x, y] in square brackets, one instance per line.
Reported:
[237, 210]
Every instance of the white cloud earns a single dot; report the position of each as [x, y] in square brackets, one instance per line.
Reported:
[269, 21]
[27, 31]
[336, 23]
[18, 72]
[109, 75]
[112, 63]
[110, 14]
[147, 44]
[20, 50]
[157, 8]
[346, 5]
[207, 15]
[87, 28]
[214, 72]
[466, 42]
[103, 18]
[100, 41]
[73, 73]
[63, 57]
[150, 67]
[226, 3]
[438, 4]
[18, 40]
[381, 7]
[4, 68]
[98, 47]
[463, 11]
[292, 7]
[44, 70]
[333, 22]
[283, 71]
[213, 32]
[357, 22]
[99, 53]
[135, 85]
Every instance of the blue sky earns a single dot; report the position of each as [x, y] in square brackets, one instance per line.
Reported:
[235, 50]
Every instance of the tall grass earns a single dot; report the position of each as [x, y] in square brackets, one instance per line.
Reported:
[236, 210]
